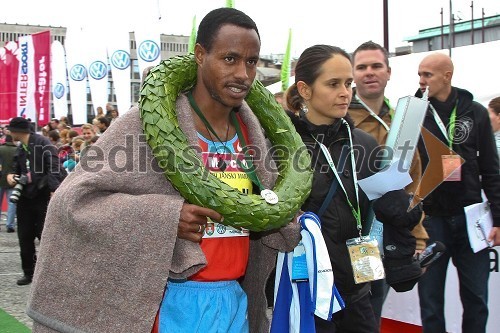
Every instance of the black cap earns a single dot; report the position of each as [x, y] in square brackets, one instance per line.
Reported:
[19, 125]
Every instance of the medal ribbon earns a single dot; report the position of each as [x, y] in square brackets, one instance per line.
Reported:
[249, 168]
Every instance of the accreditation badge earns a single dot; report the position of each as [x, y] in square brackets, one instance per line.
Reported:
[452, 168]
[365, 258]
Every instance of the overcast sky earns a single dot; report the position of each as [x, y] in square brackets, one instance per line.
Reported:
[341, 23]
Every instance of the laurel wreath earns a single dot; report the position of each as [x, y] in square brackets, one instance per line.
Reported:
[159, 93]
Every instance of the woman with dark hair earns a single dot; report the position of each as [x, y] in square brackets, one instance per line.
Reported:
[341, 154]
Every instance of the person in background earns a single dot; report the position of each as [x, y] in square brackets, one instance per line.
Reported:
[321, 95]
[494, 111]
[63, 126]
[36, 167]
[113, 274]
[87, 132]
[109, 109]
[371, 111]
[74, 156]
[55, 138]
[102, 124]
[64, 120]
[99, 114]
[7, 153]
[113, 115]
[54, 124]
[88, 144]
[463, 125]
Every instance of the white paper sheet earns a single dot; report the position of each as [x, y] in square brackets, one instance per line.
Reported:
[389, 179]
[479, 225]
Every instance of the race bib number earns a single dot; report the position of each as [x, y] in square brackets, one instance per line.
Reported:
[219, 230]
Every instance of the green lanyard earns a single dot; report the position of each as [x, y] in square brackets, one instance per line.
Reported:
[391, 110]
[451, 130]
[449, 135]
[26, 149]
[374, 115]
[356, 212]
[248, 166]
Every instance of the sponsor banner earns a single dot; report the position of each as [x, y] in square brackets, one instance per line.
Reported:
[118, 47]
[41, 43]
[25, 100]
[59, 80]
[97, 67]
[33, 79]
[147, 37]
[77, 74]
[8, 82]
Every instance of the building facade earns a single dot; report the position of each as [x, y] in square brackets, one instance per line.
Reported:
[482, 30]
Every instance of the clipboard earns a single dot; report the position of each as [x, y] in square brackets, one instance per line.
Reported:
[479, 225]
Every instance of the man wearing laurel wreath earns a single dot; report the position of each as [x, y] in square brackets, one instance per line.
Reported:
[152, 257]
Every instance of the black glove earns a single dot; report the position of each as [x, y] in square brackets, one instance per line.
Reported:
[392, 208]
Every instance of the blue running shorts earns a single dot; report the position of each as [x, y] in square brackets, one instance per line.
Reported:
[205, 307]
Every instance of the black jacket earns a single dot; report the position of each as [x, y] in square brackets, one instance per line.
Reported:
[7, 153]
[474, 142]
[338, 222]
[44, 166]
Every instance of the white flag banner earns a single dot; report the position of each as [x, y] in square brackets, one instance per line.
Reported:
[97, 67]
[147, 38]
[118, 47]
[77, 74]
[26, 106]
[59, 80]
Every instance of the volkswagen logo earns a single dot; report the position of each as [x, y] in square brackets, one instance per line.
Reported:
[98, 70]
[148, 51]
[58, 90]
[78, 72]
[120, 59]
[221, 228]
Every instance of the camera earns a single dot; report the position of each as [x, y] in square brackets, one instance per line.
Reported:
[16, 191]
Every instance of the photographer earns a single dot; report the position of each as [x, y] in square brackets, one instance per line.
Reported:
[36, 174]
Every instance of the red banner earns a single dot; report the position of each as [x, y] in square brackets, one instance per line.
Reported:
[41, 43]
[8, 82]
[25, 79]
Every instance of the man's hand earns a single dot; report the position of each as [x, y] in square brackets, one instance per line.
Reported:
[10, 179]
[495, 236]
[192, 221]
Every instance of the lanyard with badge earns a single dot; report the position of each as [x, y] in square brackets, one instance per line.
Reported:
[364, 253]
[451, 162]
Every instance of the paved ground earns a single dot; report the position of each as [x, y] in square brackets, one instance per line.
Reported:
[12, 297]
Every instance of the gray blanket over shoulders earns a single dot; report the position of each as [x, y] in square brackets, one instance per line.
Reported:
[110, 238]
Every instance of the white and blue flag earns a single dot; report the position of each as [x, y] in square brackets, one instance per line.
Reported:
[297, 300]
